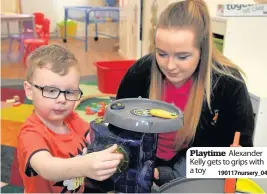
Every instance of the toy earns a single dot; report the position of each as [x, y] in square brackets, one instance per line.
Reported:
[230, 183]
[15, 101]
[101, 112]
[188, 185]
[109, 19]
[16, 98]
[133, 125]
[96, 108]
[16, 104]
[102, 104]
[89, 111]
[10, 100]
[163, 114]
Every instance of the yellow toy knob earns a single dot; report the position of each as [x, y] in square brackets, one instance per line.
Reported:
[163, 114]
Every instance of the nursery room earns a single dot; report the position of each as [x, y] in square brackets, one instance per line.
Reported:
[108, 37]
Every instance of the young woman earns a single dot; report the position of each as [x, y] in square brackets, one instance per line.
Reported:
[187, 70]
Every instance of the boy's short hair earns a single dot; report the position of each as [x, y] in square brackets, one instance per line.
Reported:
[58, 59]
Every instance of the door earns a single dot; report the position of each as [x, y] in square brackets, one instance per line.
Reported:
[130, 29]
[47, 7]
[151, 12]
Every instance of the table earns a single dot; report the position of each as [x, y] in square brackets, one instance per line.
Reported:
[91, 15]
[10, 17]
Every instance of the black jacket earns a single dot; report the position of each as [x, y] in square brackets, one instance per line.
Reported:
[229, 97]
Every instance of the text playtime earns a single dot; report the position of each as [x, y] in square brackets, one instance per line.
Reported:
[204, 154]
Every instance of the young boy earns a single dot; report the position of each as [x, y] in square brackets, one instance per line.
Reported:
[52, 151]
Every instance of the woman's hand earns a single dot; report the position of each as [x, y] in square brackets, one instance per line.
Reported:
[156, 173]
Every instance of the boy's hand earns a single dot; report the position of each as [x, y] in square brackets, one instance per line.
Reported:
[103, 164]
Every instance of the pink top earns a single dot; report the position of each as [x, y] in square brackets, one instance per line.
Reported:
[177, 96]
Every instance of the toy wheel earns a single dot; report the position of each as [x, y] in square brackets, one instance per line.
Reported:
[99, 120]
[123, 165]
[64, 40]
[96, 38]
[117, 106]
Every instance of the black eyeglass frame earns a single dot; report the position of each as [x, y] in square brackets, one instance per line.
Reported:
[60, 91]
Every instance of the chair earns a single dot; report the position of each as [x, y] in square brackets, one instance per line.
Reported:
[38, 18]
[32, 44]
[27, 32]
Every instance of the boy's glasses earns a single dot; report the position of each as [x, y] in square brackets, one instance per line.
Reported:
[53, 93]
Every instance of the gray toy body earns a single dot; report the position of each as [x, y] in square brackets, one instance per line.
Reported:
[133, 124]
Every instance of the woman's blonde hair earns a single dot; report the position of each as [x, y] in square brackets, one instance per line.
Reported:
[192, 14]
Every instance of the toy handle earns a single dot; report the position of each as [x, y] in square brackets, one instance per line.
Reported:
[236, 140]
[230, 183]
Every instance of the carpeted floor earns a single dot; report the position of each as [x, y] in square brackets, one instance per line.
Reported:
[13, 117]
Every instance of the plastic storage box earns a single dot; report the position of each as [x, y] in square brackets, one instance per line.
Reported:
[71, 28]
[110, 74]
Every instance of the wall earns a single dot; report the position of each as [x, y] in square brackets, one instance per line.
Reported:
[47, 7]
[8, 6]
[245, 44]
